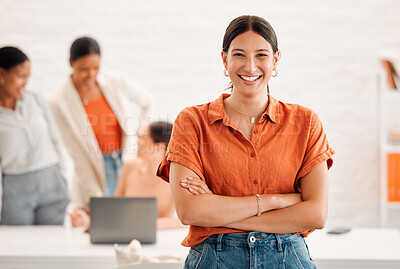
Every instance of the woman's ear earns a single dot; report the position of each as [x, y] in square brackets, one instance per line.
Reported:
[2, 72]
[70, 62]
[277, 56]
[224, 56]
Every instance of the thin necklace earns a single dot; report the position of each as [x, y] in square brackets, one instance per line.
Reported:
[85, 101]
[252, 118]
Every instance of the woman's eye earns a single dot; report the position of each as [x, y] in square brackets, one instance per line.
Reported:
[261, 55]
[238, 54]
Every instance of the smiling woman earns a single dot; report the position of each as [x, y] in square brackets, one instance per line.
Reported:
[250, 205]
[33, 161]
[14, 82]
[93, 111]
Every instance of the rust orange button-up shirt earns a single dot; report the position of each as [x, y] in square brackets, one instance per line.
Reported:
[287, 142]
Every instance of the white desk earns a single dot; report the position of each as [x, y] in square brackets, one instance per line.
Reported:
[359, 248]
[58, 247]
[39, 247]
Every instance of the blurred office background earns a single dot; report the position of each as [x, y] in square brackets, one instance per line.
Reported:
[329, 62]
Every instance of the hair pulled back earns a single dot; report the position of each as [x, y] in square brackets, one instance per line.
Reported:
[11, 56]
[246, 23]
[84, 46]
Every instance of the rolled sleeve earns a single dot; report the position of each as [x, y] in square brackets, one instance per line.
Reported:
[183, 147]
[317, 150]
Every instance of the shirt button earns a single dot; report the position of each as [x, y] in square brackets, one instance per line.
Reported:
[255, 181]
[255, 131]
[252, 154]
[252, 239]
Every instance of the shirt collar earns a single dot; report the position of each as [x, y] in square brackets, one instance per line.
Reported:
[18, 104]
[273, 111]
[216, 110]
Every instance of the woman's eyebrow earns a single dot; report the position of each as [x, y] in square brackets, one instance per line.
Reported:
[256, 50]
[264, 50]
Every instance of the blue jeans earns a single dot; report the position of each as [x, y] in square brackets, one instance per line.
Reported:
[112, 166]
[250, 250]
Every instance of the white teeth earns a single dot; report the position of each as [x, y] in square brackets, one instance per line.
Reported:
[249, 78]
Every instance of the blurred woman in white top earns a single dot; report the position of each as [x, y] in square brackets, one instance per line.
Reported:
[33, 162]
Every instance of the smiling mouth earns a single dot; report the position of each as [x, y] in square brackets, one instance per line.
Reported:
[250, 78]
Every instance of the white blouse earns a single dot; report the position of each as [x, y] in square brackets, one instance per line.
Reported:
[29, 139]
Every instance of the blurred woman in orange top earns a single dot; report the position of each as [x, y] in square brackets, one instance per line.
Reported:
[248, 173]
[93, 112]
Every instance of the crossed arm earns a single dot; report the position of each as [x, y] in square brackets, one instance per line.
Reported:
[281, 213]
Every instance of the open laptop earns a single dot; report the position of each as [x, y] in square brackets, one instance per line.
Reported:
[122, 219]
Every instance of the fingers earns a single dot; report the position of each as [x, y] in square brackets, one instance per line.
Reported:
[193, 188]
[76, 220]
[195, 191]
[195, 185]
[77, 217]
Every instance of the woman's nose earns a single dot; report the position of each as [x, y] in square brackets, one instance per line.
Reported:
[24, 82]
[250, 65]
[92, 74]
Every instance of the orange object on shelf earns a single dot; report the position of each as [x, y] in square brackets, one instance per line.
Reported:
[391, 73]
[393, 173]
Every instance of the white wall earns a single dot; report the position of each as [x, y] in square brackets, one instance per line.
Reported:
[330, 52]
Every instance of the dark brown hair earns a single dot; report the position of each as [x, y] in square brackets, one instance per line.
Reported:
[246, 23]
[11, 56]
[160, 132]
[84, 46]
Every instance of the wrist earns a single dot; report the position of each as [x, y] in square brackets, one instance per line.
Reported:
[269, 202]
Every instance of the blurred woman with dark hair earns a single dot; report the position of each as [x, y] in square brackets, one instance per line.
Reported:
[33, 161]
[93, 113]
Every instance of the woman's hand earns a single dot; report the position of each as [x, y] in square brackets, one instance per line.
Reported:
[195, 185]
[79, 218]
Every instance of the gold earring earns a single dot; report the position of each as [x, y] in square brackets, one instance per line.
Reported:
[276, 73]
[226, 74]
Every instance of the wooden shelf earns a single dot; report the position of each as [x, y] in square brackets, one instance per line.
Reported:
[388, 113]
[393, 204]
[391, 148]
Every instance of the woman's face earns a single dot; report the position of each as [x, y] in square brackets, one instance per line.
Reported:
[86, 69]
[15, 79]
[250, 61]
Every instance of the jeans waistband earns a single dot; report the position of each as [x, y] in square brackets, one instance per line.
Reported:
[112, 155]
[253, 238]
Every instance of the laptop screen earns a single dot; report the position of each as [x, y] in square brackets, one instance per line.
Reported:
[122, 219]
